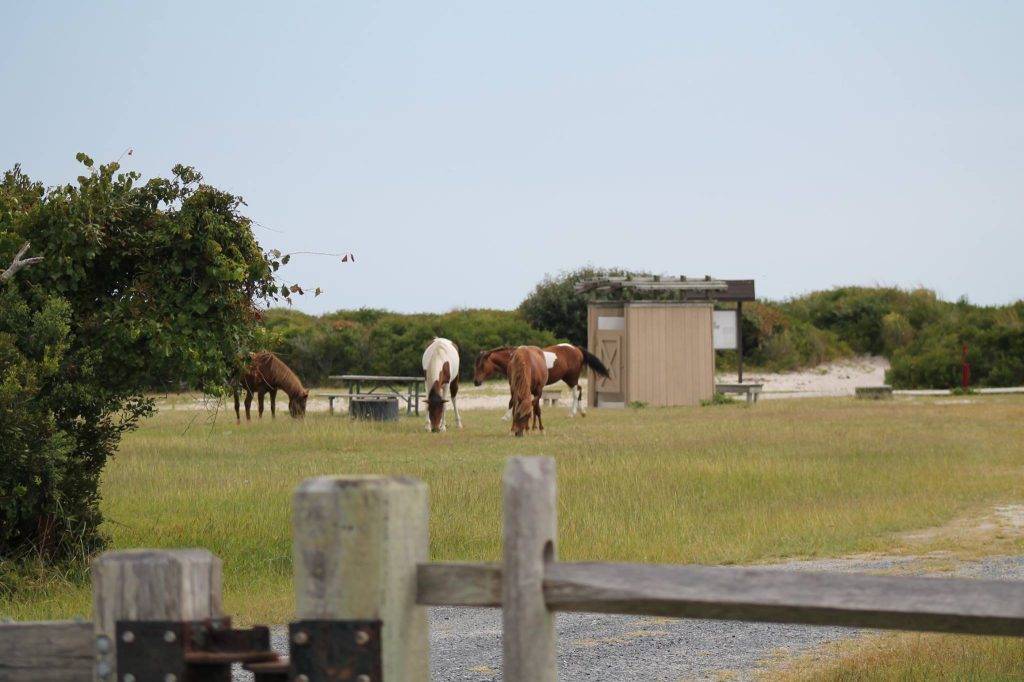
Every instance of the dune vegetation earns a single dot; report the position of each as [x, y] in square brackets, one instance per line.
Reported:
[920, 334]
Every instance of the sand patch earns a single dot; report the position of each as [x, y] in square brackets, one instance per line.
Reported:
[829, 380]
[999, 530]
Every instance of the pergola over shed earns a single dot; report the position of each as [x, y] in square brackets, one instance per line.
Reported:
[657, 336]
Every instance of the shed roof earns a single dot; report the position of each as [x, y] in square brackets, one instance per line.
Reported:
[689, 287]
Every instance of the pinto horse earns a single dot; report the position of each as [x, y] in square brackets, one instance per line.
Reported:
[266, 373]
[564, 363]
[527, 377]
[441, 371]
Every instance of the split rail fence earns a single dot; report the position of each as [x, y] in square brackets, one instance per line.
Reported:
[362, 582]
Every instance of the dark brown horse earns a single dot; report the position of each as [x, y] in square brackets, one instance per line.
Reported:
[268, 374]
[564, 363]
[527, 377]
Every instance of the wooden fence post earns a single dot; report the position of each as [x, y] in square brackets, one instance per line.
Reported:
[530, 541]
[357, 543]
[178, 585]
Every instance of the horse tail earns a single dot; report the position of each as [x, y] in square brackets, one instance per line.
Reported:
[519, 382]
[592, 361]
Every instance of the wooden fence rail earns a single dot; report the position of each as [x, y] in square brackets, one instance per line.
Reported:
[980, 607]
[52, 650]
[360, 555]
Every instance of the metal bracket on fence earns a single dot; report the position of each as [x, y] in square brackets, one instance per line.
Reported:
[326, 651]
[203, 651]
[194, 651]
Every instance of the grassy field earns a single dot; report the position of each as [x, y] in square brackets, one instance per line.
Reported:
[726, 484]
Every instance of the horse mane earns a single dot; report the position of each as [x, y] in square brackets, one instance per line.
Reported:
[487, 353]
[271, 369]
[519, 379]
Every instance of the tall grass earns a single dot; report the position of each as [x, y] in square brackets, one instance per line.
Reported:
[726, 485]
[913, 657]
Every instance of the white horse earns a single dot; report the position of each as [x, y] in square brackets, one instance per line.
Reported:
[441, 371]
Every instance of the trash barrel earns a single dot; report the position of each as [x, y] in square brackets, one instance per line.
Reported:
[378, 408]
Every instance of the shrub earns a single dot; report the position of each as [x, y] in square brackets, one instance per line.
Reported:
[853, 314]
[381, 342]
[994, 337]
[932, 365]
[717, 399]
[874, 320]
[136, 281]
[774, 340]
[920, 334]
[897, 332]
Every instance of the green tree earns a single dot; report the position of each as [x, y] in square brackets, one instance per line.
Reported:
[555, 306]
[134, 281]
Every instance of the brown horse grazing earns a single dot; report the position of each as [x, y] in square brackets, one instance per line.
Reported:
[527, 377]
[266, 374]
[564, 363]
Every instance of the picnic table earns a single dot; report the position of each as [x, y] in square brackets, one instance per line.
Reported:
[403, 388]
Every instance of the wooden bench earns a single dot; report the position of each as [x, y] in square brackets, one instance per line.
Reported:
[550, 396]
[331, 397]
[752, 391]
[873, 392]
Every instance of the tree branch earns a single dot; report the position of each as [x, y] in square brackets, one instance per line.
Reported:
[18, 263]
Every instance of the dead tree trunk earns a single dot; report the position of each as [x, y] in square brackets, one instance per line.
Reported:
[18, 263]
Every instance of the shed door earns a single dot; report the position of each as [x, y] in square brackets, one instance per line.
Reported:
[609, 351]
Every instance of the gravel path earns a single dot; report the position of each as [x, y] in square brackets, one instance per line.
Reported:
[465, 644]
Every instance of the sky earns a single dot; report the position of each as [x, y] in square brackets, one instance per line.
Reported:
[461, 150]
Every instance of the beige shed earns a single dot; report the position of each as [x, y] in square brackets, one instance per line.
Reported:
[659, 352]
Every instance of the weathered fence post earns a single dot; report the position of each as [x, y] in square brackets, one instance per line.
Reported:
[357, 543]
[178, 585]
[530, 536]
